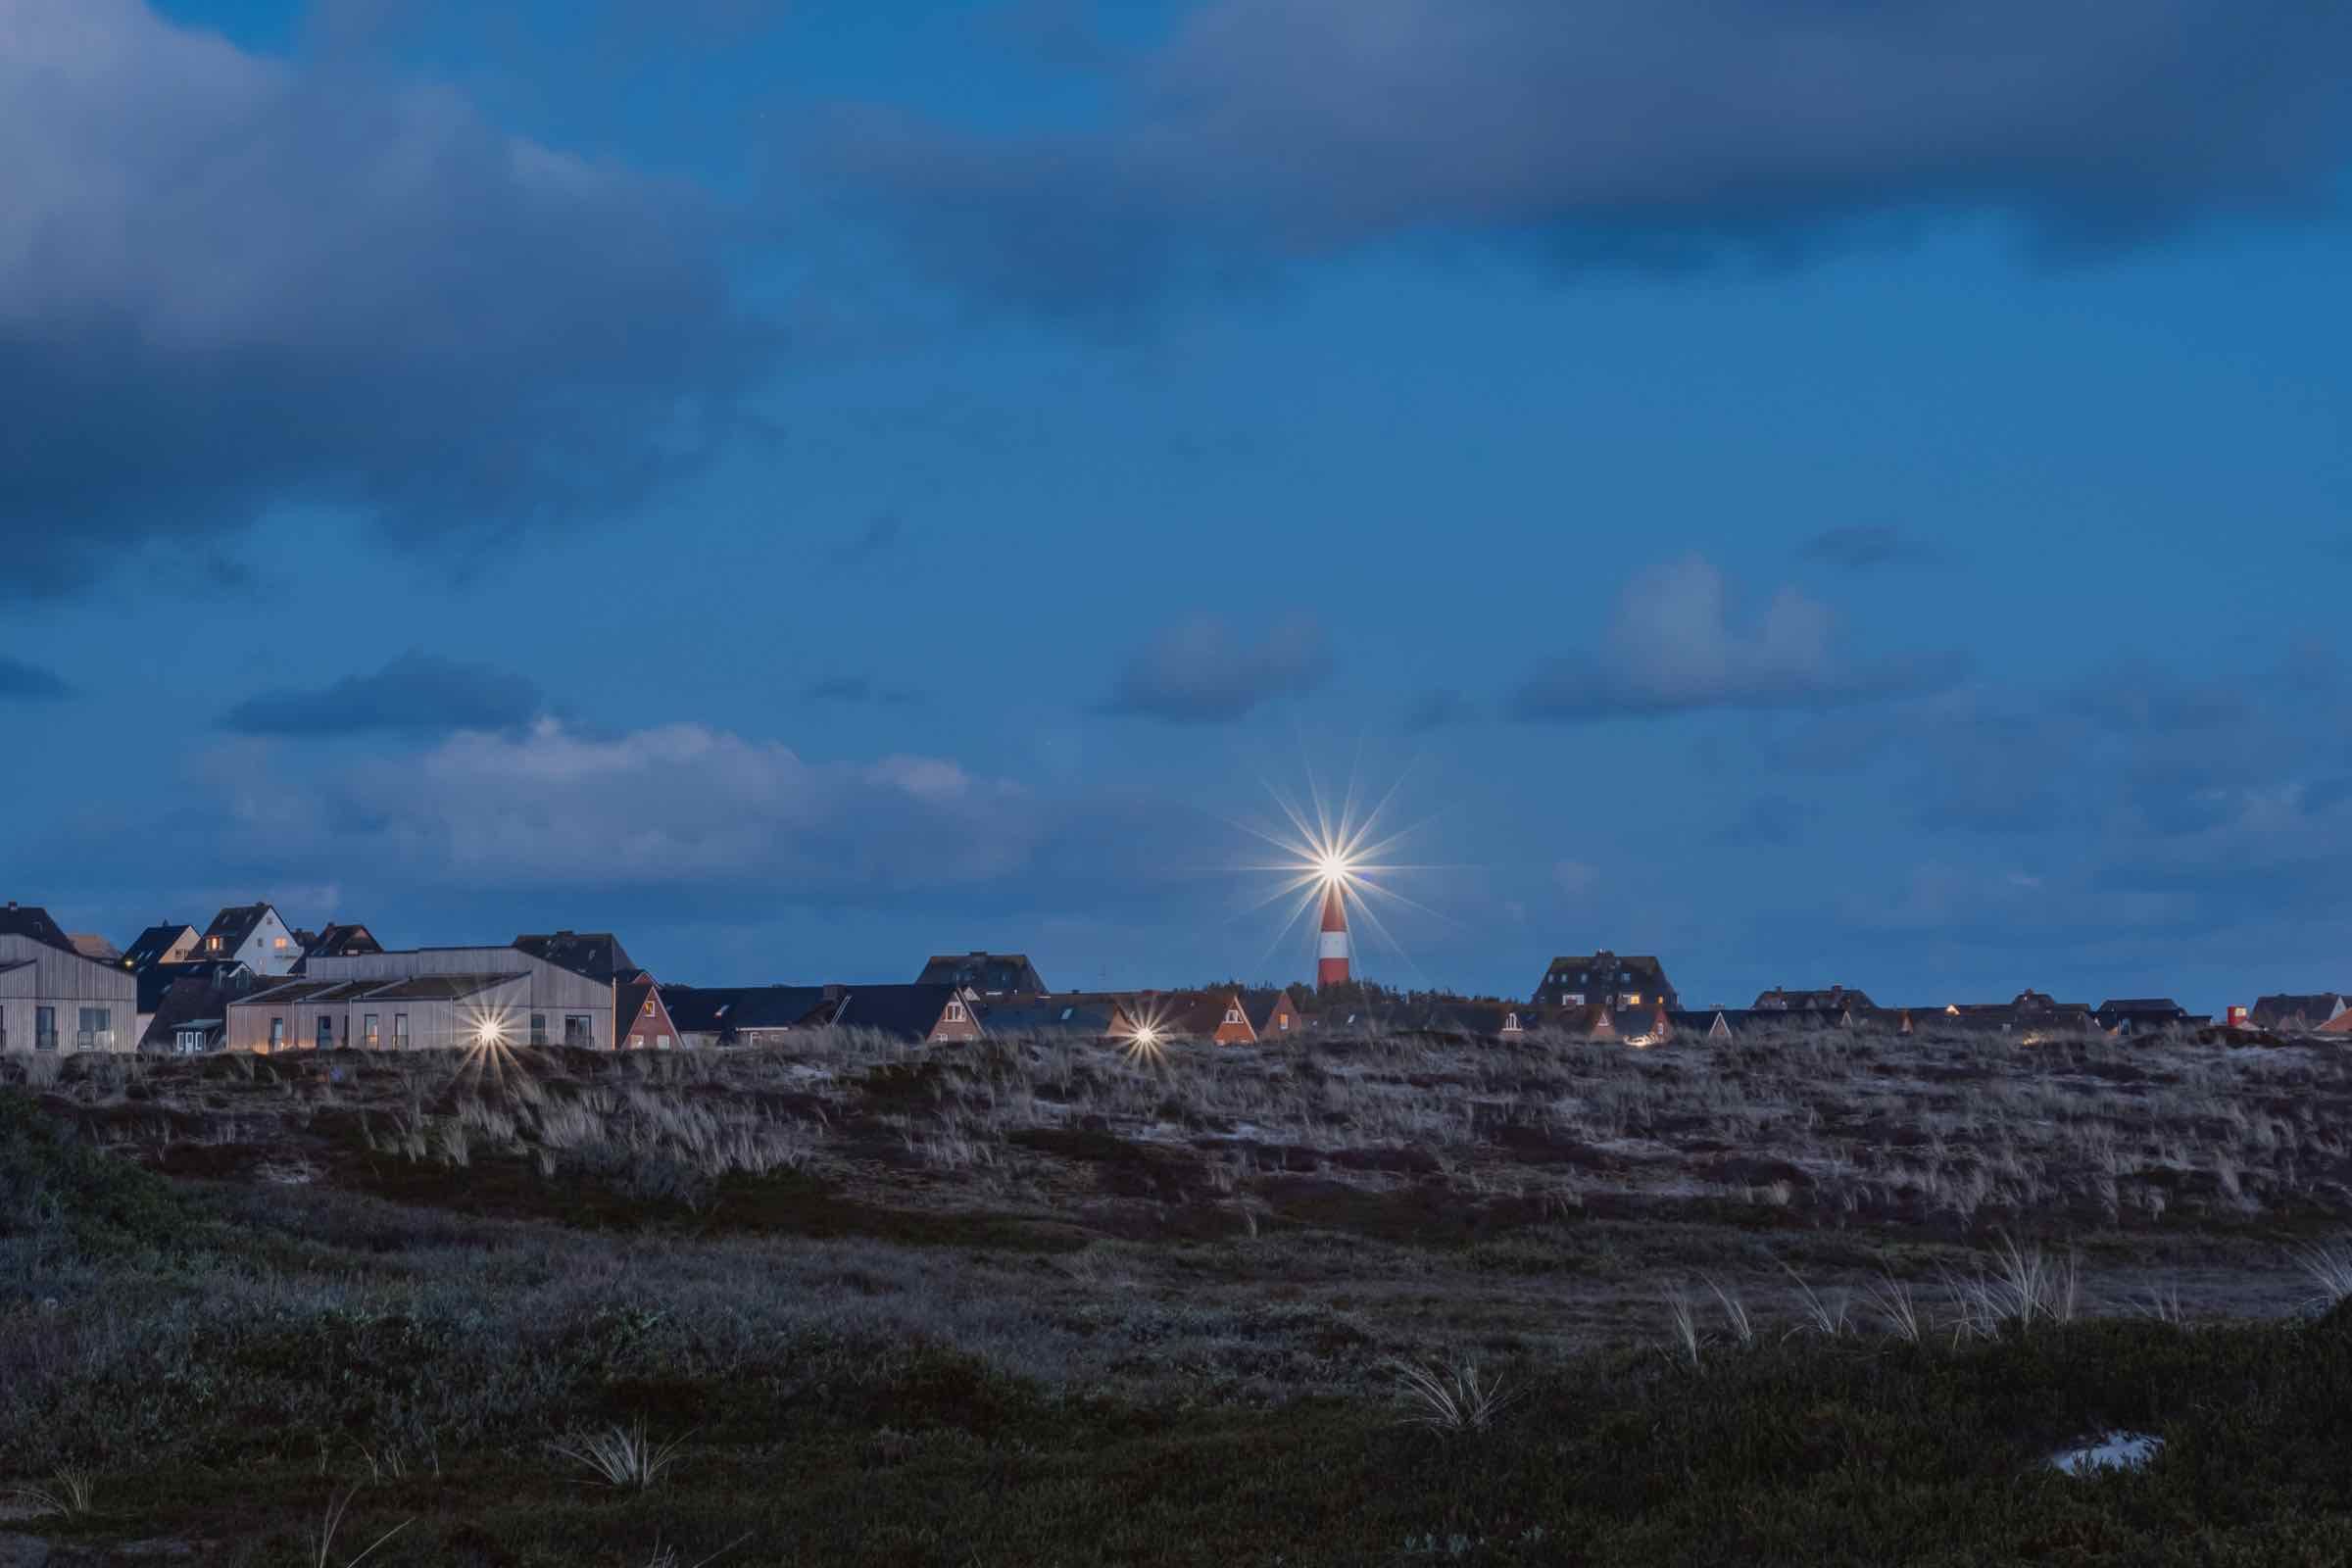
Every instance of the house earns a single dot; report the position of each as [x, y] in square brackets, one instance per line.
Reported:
[2141, 1015]
[1058, 1018]
[173, 942]
[1273, 1013]
[56, 998]
[708, 1016]
[942, 1013]
[1709, 1024]
[984, 975]
[254, 936]
[171, 994]
[1476, 1020]
[339, 942]
[596, 955]
[454, 1009]
[1603, 979]
[2028, 1013]
[90, 945]
[1218, 1015]
[1836, 999]
[641, 1020]
[2301, 1014]
[559, 1005]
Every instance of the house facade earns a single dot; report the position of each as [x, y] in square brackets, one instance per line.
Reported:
[253, 935]
[1607, 980]
[557, 1005]
[640, 1019]
[943, 1014]
[2294, 1014]
[984, 975]
[55, 999]
[454, 1011]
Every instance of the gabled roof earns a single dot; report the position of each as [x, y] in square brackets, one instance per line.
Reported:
[1258, 1005]
[2140, 1004]
[910, 1012]
[95, 947]
[32, 922]
[340, 942]
[1638, 964]
[2315, 1009]
[150, 945]
[235, 925]
[592, 954]
[1002, 973]
[729, 1010]
[1055, 1015]
[216, 975]
[1198, 1014]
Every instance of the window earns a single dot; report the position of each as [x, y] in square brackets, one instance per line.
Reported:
[538, 1028]
[954, 1012]
[278, 1034]
[1284, 1024]
[400, 1031]
[212, 944]
[649, 1007]
[661, 1042]
[636, 1041]
[327, 1031]
[370, 1034]
[45, 1028]
[1511, 1023]
[277, 942]
[1233, 1016]
[576, 1031]
[1634, 1001]
[94, 1033]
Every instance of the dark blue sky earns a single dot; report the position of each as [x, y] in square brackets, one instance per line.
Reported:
[1818, 491]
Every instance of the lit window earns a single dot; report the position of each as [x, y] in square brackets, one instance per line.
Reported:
[279, 942]
[649, 1007]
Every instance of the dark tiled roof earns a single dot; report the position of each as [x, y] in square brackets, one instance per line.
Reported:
[235, 925]
[1834, 998]
[95, 947]
[2140, 1004]
[152, 943]
[724, 1010]
[220, 975]
[595, 955]
[340, 942]
[910, 1012]
[31, 921]
[1055, 1015]
[995, 973]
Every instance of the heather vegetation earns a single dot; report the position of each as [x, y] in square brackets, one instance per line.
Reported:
[1836, 1298]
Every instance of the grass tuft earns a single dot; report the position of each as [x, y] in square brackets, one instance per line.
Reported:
[622, 1456]
[1451, 1400]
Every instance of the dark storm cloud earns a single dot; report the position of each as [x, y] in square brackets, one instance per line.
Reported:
[1678, 647]
[275, 284]
[1864, 548]
[19, 679]
[417, 692]
[1641, 131]
[1207, 671]
[860, 689]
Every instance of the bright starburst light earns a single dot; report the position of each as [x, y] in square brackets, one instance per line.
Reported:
[1349, 848]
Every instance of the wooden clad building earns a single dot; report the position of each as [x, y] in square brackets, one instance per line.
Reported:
[55, 998]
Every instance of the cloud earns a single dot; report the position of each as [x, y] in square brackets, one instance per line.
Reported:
[30, 682]
[670, 809]
[860, 689]
[877, 536]
[1675, 647]
[275, 283]
[1864, 547]
[1205, 671]
[1439, 710]
[418, 691]
[1651, 132]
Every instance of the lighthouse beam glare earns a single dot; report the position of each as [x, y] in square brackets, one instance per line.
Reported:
[1335, 867]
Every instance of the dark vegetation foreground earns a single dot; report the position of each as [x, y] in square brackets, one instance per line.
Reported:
[1016, 1307]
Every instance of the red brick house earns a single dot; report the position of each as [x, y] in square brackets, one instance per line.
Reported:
[641, 1020]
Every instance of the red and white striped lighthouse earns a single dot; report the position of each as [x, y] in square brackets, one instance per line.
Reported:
[1331, 949]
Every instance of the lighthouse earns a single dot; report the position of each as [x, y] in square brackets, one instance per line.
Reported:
[1331, 949]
